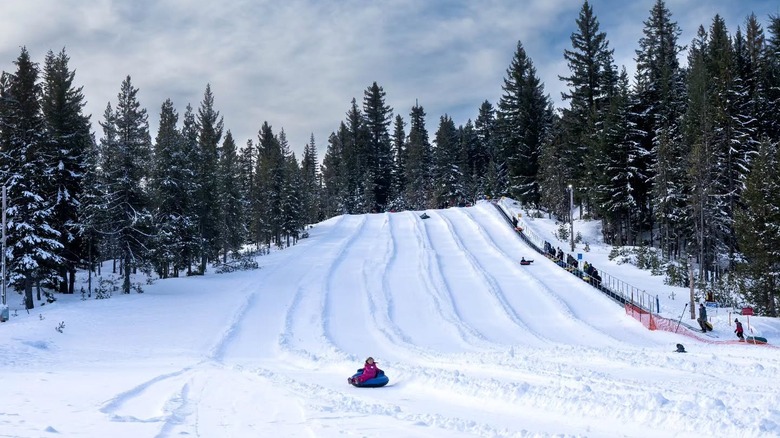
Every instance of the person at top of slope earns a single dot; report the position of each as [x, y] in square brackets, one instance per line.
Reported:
[370, 370]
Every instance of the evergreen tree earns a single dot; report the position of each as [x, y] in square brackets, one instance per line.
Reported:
[292, 190]
[247, 160]
[699, 131]
[553, 177]
[310, 190]
[168, 192]
[399, 167]
[379, 154]
[524, 118]
[418, 177]
[591, 85]
[69, 138]
[471, 158]
[730, 150]
[758, 231]
[771, 78]
[448, 178]
[657, 182]
[488, 162]
[233, 229]
[210, 126]
[614, 169]
[33, 246]
[90, 210]
[358, 197]
[191, 155]
[334, 175]
[127, 147]
[269, 188]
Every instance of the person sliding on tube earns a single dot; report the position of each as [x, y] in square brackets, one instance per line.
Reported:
[370, 370]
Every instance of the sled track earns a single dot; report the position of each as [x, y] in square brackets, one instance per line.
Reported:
[382, 308]
[495, 289]
[438, 284]
[286, 339]
[399, 337]
[565, 308]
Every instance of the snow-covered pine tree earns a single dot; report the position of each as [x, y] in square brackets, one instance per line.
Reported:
[69, 138]
[591, 84]
[470, 149]
[448, 178]
[355, 161]
[171, 178]
[91, 215]
[757, 224]
[657, 182]
[418, 168]
[613, 169]
[247, 157]
[33, 246]
[699, 129]
[399, 165]
[310, 192]
[489, 166]
[523, 122]
[292, 220]
[210, 128]
[234, 231]
[771, 77]
[127, 151]
[379, 153]
[333, 175]
[190, 236]
[269, 180]
[554, 177]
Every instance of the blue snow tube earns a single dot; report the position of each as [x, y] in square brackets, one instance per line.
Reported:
[380, 380]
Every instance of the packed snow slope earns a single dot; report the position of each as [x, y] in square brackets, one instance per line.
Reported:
[474, 344]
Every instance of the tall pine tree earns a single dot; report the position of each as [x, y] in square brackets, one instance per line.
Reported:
[69, 139]
[127, 149]
[33, 242]
[210, 126]
[524, 118]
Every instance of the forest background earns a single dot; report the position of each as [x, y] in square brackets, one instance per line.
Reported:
[678, 160]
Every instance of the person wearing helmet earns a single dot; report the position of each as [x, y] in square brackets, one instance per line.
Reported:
[370, 370]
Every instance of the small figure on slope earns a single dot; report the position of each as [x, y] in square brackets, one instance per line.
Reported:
[370, 370]
[680, 349]
[739, 330]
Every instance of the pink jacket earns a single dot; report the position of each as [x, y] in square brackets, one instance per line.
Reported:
[369, 372]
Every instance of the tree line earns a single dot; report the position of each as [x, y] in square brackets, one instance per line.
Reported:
[681, 158]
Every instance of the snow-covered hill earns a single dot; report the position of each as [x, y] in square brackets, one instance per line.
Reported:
[474, 344]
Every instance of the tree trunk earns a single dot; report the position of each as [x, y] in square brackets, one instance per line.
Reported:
[71, 280]
[126, 271]
[28, 295]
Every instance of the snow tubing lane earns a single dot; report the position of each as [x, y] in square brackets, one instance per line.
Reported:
[380, 380]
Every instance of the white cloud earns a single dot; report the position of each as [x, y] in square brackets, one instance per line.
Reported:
[297, 64]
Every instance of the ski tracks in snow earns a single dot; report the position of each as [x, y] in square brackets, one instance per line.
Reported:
[567, 295]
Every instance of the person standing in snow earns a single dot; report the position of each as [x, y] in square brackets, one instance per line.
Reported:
[738, 330]
[370, 370]
[703, 318]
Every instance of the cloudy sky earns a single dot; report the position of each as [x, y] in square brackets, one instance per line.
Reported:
[298, 63]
